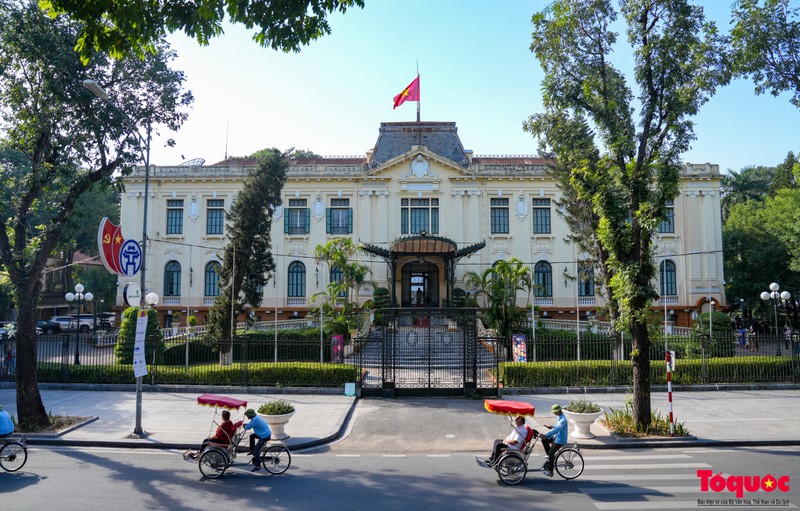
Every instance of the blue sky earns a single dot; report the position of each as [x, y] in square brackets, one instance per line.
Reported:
[476, 70]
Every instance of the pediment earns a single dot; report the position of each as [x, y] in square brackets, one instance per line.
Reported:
[416, 165]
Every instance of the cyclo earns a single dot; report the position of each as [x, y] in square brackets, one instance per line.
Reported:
[215, 458]
[512, 465]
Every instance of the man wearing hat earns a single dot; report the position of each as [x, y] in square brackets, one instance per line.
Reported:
[261, 432]
[554, 439]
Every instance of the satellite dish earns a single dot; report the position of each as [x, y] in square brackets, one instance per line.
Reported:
[194, 162]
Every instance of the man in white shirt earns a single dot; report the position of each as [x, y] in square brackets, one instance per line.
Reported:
[514, 441]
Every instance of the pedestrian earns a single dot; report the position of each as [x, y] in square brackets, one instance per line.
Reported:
[752, 340]
[558, 437]
[787, 336]
[261, 433]
[8, 360]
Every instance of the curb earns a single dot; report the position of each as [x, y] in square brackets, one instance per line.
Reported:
[43, 439]
[665, 444]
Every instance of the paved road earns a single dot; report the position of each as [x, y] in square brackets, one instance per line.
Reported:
[91, 479]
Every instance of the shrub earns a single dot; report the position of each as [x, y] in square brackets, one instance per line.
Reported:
[581, 406]
[276, 407]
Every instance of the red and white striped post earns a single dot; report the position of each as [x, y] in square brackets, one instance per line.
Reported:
[669, 393]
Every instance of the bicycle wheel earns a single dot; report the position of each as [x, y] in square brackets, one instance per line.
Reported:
[276, 459]
[512, 469]
[569, 463]
[13, 456]
[212, 463]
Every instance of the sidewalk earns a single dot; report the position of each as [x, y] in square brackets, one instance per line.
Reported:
[174, 420]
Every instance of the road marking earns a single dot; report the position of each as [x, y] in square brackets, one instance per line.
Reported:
[438, 456]
[646, 466]
[347, 455]
[393, 455]
[639, 489]
[638, 457]
[644, 477]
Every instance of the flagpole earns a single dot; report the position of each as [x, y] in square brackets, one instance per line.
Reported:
[419, 101]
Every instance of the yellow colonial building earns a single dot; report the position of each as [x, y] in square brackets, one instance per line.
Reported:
[427, 212]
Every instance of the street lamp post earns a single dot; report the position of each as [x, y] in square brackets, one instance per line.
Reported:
[79, 297]
[774, 295]
[98, 91]
[710, 314]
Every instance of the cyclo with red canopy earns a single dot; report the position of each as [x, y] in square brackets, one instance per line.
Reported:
[215, 458]
[512, 465]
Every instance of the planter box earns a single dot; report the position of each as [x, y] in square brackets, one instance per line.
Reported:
[277, 423]
[582, 423]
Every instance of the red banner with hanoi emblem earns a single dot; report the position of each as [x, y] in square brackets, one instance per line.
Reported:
[110, 244]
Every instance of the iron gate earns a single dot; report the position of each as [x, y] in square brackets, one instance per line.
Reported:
[427, 352]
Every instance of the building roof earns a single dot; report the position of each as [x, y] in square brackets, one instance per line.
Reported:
[396, 138]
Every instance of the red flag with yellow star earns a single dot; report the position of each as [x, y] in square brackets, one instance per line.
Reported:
[410, 93]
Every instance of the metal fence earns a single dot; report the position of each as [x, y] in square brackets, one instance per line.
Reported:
[249, 360]
[561, 358]
[426, 355]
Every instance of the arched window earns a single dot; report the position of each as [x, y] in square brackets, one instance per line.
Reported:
[212, 279]
[297, 280]
[543, 279]
[336, 276]
[585, 279]
[669, 281]
[172, 279]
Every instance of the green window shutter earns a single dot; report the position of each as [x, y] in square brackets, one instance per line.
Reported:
[308, 220]
[328, 220]
[286, 221]
[349, 220]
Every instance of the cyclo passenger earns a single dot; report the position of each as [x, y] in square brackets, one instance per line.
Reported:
[222, 436]
[515, 440]
[554, 439]
[6, 424]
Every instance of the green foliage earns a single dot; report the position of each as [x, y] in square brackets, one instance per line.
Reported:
[766, 43]
[59, 141]
[621, 422]
[133, 28]
[499, 285]
[276, 407]
[153, 340]
[606, 372]
[339, 301]
[282, 374]
[249, 249]
[582, 406]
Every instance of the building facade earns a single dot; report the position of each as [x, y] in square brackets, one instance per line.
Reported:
[427, 211]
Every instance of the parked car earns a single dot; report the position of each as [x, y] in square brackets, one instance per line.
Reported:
[8, 331]
[48, 327]
[63, 321]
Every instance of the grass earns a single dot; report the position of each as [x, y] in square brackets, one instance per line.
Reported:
[620, 422]
[57, 423]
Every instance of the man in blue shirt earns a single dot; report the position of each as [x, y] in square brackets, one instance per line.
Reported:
[6, 425]
[555, 439]
[261, 432]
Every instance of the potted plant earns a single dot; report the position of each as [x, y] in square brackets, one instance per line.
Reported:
[582, 415]
[277, 413]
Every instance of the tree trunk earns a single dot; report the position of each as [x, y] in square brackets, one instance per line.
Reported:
[30, 408]
[640, 359]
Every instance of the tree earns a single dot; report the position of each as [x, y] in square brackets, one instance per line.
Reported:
[783, 177]
[247, 260]
[340, 298]
[679, 61]
[125, 29]
[499, 285]
[751, 183]
[58, 141]
[766, 43]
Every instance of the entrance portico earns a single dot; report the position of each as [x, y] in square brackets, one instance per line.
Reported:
[426, 267]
